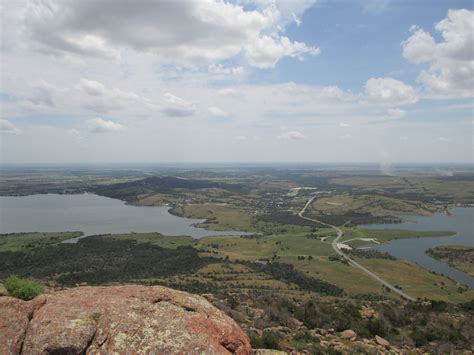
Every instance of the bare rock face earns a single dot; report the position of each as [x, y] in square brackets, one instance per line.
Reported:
[131, 319]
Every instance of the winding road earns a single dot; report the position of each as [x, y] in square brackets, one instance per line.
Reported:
[350, 260]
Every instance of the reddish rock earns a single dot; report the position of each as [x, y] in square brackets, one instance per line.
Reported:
[381, 341]
[295, 324]
[349, 334]
[132, 319]
[15, 315]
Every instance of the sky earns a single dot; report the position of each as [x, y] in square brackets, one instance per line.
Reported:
[92, 81]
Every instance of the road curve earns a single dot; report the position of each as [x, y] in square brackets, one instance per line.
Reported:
[350, 260]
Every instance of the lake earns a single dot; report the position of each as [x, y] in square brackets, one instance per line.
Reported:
[460, 221]
[92, 214]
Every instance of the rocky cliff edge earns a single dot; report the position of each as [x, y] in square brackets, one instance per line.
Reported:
[120, 319]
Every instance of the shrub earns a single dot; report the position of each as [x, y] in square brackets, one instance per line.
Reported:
[268, 340]
[23, 289]
[271, 340]
[419, 337]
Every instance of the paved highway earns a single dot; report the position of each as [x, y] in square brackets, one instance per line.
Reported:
[350, 260]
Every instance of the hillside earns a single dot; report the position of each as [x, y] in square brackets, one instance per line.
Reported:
[160, 184]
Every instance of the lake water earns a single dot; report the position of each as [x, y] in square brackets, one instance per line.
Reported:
[460, 221]
[92, 214]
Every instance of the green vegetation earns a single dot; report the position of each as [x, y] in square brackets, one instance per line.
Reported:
[167, 184]
[23, 289]
[427, 189]
[376, 205]
[268, 340]
[362, 237]
[401, 323]
[309, 254]
[220, 217]
[417, 281]
[98, 260]
[460, 257]
[284, 276]
[160, 240]
[285, 217]
[286, 272]
[25, 241]
[217, 217]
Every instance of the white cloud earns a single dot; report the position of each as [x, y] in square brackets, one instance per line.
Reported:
[192, 31]
[444, 139]
[220, 69]
[284, 11]
[344, 125]
[6, 127]
[265, 51]
[375, 7]
[41, 97]
[395, 113]
[333, 92]
[176, 106]
[244, 138]
[420, 47]
[99, 125]
[226, 92]
[296, 19]
[451, 61]
[99, 98]
[73, 132]
[92, 87]
[216, 111]
[292, 135]
[390, 92]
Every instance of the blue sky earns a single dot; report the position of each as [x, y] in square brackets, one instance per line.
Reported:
[249, 80]
[357, 43]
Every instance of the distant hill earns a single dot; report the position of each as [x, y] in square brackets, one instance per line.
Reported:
[161, 184]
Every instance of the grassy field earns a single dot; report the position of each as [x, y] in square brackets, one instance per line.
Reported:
[355, 236]
[459, 257]
[296, 249]
[164, 241]
[218, 217]
[417, 281]
[337, 204]
[264, 247]
[305, 251]
[25, 241]
[237, 277]
[158, 199]
[440, 188]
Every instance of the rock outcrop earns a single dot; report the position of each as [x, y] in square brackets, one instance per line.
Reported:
[349, 334]
[122, 319]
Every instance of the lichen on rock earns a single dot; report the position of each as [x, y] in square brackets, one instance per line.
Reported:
[138, 319]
